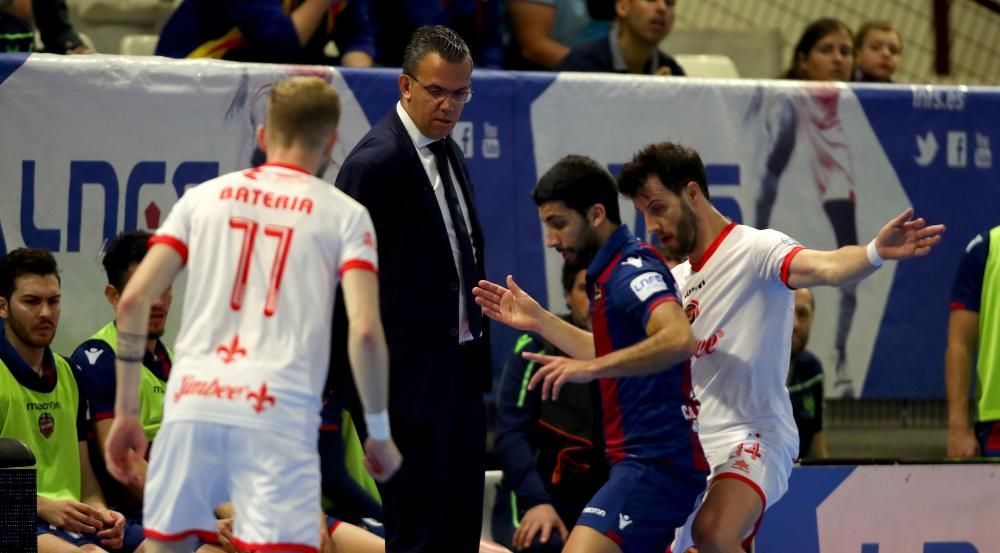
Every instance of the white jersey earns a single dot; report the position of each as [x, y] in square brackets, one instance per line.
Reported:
[265, 249]
[741, 311]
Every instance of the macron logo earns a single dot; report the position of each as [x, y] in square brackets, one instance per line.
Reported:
[623, 521]
[927, 147]
[93, 354]
[975, 242]
[633, 261]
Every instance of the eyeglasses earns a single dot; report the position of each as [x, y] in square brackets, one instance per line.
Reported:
[439, 94]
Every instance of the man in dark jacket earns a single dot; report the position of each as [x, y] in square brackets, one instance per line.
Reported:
[551, 452]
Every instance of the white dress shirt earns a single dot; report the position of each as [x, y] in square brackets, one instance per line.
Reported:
[421, 143]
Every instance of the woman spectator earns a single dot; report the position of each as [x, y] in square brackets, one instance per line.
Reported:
[823, 53]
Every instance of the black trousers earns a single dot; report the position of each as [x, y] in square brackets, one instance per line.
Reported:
[434, 504]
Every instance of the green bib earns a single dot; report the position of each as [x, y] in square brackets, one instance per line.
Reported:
[989, 334]
[354, 459]
[151, 388]
[46, 422]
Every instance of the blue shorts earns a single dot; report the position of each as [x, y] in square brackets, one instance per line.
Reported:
[641, 504]
[133, 535]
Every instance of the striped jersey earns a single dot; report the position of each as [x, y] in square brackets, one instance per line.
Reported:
[650, 417]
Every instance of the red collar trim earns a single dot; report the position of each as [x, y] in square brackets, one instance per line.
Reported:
[712, 247]
[285, 166]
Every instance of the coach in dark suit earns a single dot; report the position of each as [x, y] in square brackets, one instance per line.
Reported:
[412, 178]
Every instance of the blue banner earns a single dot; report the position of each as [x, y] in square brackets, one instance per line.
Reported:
[95, 146]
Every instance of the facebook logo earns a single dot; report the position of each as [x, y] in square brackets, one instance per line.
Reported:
[958, 149]
[462, 133]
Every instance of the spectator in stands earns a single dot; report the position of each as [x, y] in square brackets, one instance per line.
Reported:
[20, 18]
[975, 325]
[478, 22]
[805, 381]
[41, 406]
[274, 31]
[94, 361]
[823, 53]
[878, 47]
[544, 31]
[551, 452]
[631, 46]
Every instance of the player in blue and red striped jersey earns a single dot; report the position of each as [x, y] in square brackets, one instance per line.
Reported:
[639, 350]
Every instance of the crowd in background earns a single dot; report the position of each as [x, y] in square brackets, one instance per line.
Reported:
[619, 36]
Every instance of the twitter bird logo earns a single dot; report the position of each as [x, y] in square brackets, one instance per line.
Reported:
[928, 147]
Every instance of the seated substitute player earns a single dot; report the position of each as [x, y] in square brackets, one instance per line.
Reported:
[266, 247]
[639, 351]
[551, 452]
[40, 406]
[805, 381]
[94, 361]
[738, 287]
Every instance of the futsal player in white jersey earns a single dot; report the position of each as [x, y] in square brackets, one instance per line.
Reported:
[738, 287]
[265, 249]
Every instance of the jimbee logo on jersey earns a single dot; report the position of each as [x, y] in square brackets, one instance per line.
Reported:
[647, 284]
[46, 424]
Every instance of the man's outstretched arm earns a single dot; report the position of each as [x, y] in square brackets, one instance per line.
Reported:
[513, 307]
[901, 238]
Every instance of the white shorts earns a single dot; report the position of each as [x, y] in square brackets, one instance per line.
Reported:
[272, 480]
[764, 462]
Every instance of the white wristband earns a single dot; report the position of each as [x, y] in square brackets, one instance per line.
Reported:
[873, 257]
[378, 425]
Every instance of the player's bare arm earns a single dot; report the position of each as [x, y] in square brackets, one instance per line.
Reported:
[370, 365]
[127, 443]
[901, 238]
[670, 341]
[103, 429]
[515, 308]
[963, 339]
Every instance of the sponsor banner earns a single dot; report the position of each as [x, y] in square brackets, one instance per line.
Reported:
[92, 147]
[882, 509]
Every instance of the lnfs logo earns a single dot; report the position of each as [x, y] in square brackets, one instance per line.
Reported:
[101, 174]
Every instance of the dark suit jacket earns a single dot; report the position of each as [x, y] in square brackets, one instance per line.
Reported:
[418, 281]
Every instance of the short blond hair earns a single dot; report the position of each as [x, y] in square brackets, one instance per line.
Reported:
[304, 110]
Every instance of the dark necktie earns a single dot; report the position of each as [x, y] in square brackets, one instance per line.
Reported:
[467, 255]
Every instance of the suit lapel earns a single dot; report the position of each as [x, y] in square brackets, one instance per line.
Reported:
[418, 175]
